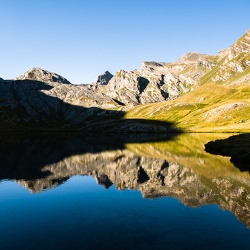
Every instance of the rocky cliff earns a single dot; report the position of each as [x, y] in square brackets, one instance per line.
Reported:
[41, 75]
[156, 82]
[234, 63]
[42, 100]
[103, 79]
[32, 104]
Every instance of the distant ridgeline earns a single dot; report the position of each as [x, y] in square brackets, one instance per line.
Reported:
[197, 93]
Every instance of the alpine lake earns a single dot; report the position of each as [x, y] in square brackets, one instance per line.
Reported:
[76, 191]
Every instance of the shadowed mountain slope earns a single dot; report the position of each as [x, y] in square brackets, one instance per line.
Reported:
[35, 105]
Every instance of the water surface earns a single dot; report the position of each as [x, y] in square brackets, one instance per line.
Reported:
[79, 192]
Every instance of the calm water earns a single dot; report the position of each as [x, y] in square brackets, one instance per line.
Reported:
[78, 192]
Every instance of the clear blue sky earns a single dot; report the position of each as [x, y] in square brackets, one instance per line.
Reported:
[80, 39]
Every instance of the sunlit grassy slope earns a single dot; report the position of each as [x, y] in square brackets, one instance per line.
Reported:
[209, 108]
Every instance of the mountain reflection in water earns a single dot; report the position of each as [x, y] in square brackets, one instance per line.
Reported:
[176, 166]
[172, 166]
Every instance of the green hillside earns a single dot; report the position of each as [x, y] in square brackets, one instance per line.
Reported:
[209, 108]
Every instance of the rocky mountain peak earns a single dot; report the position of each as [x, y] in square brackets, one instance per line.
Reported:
[104, 78]
[243, 44]
[222, 53]
[152, 66]
[234, 60]
[191, 57]
[38, 74]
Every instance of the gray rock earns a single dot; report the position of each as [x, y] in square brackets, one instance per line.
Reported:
[234, 60]
[30, 104]
[155, 82]
[41, 75]
[191, 58]
[104, 78]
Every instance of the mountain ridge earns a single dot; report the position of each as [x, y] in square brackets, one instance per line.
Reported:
[42, 75]
[45, 95]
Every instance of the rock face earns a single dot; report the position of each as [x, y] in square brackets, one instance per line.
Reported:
[154, 82]
[104, 78]
[41, 75]
[31, 104]
[234, 63]
[34, 105]
[165, 81]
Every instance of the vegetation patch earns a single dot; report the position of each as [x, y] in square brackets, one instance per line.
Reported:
[209, 108]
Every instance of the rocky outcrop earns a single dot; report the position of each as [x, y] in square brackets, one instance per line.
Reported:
[41, 75]
[104, 78]
[234, 62]
[133, 87]
[196, 59]
[35, 105]
[30, 104]
[155, 82]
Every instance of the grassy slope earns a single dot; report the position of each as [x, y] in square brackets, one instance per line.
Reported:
[209, 108]
[210, 74]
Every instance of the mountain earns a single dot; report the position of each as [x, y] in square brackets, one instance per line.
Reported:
[155, 82]
[198, 93]
[38, 106]
[233, 64]
[35, 105]
[103, 79]
[40, 99]
[41, 75]
[220, 100]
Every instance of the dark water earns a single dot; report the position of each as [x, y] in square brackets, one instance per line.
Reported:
[78, 192]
